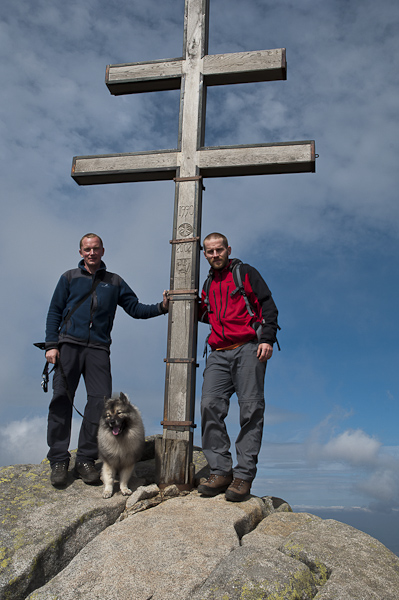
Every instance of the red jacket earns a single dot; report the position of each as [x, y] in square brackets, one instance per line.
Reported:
[228, 316]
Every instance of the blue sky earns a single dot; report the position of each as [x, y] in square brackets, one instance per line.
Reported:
[326, 243]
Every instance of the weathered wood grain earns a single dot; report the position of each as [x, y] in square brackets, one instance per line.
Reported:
[257, 159]
[141, 77]
[218, 161]
[117, 168]
[217, 69]
[245, 67]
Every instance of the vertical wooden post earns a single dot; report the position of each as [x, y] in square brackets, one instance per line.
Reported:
[174, 453]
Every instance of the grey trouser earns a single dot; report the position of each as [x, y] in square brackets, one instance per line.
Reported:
[226, 372]
[94, 365]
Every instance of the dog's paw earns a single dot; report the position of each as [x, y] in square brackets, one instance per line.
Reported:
[107, 493]
[125, 491]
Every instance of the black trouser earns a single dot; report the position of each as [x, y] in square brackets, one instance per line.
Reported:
[94, 365]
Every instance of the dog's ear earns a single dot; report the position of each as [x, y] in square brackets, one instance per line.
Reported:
[123, 397]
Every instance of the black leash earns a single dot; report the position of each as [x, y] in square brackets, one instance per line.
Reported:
[45, 377]
[58, 364]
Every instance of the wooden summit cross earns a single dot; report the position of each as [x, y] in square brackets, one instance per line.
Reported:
[187, 166]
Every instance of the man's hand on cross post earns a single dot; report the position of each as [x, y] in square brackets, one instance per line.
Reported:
[165, 300]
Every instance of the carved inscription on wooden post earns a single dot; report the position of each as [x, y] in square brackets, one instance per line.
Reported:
[174, 451]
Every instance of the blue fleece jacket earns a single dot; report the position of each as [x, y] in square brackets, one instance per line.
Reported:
[92, 322]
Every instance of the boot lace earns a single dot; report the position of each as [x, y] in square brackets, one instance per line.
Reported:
[237, 483]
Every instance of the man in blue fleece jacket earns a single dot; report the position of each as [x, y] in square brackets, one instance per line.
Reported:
[78, 339]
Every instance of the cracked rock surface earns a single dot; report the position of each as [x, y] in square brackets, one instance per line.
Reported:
[72, 544]
[43, 528]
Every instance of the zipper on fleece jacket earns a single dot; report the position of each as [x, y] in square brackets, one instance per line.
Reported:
[225, 308]
[93, 306]
[218, 309]
[219, 312]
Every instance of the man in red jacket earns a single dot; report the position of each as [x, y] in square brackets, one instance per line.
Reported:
[243, 320]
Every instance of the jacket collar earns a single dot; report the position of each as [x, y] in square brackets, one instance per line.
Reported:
[81, 265]
[223, 272]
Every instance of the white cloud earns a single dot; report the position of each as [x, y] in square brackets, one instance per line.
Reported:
[383, 485]
[354, 447]
[374, 468]
[24, 441]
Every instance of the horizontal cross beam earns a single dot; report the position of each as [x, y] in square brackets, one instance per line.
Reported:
[217, 69]
[218, 161]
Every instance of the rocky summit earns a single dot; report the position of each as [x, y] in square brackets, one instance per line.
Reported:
[71, 544]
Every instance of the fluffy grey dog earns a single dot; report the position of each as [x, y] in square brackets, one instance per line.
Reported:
[120, 442]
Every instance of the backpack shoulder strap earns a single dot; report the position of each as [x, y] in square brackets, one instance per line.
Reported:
[206, 286]
[236, 272]
[235, 268]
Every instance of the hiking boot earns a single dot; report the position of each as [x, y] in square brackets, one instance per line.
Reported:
[238, 490]
[215, 484]
[59, 473]
[87, 472]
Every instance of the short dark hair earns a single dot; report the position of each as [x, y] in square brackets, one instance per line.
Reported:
[216, 236]
[90, 235]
